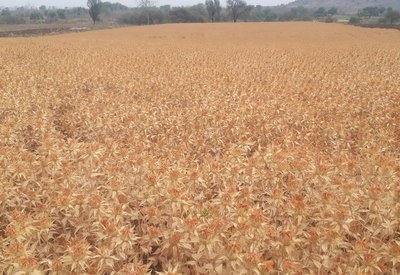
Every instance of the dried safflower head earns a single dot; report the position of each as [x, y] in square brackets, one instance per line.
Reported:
[191, 222]
[29, 263]
[267, 266]
[78, 255]
[175, 238]
[257, 216]
[154, 231]
[251, 259]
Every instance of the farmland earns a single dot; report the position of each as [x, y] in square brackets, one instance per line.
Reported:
[201, 149]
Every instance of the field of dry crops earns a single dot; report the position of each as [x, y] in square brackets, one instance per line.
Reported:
[201, 149]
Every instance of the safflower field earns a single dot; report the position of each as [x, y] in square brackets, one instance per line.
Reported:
[201, 149]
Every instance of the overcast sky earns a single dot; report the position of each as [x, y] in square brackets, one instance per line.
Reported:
[131, 3]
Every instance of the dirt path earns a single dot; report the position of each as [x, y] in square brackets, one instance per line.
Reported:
[39, 32]
[30, 30]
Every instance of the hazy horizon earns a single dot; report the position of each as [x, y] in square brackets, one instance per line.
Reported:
[130, 3]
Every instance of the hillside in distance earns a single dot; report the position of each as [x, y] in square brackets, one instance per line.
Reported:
[345, 6]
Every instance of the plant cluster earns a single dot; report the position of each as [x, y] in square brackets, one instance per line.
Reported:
[199, 149]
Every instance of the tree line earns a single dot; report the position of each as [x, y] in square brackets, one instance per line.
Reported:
[384, 15]
[210, 11]
[235, 10]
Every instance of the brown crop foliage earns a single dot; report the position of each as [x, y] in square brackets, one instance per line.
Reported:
[201, 149]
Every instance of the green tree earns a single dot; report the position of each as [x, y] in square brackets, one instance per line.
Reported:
[94, 9]
[36, 16]
[61, 13]
[269, 15]
[237, 8]
[5, 12]
[301, 14]
[147, 6]
[321, 12]
[332, 11]
[52, 14]
[214, 10]
[180, 15]
[392, 16]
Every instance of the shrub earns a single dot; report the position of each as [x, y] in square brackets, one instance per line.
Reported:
[139, 17]
[330, 19]
[134, 18]
[61, 13]
[36, 16]
[355, 20]
[5, 12]
[392, 17]
[11, 20]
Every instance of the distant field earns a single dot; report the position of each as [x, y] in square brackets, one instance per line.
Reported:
[30, 30]
[201, 149]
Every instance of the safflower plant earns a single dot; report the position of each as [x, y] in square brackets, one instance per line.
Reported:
[149, 153]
